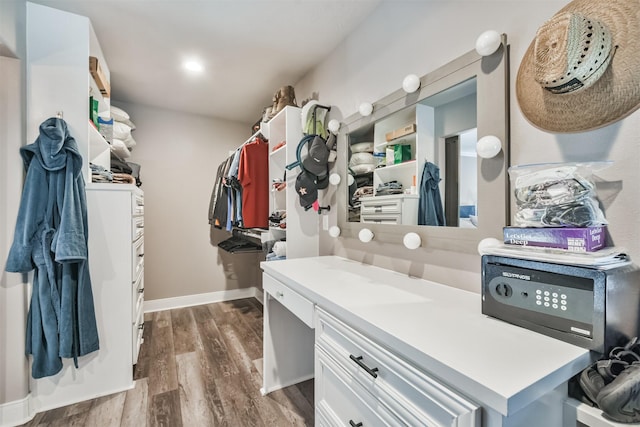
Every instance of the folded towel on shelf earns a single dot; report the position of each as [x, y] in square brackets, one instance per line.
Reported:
[123, 178]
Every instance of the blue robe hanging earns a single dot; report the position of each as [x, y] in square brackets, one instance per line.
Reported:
[51, 238]
[430, 211]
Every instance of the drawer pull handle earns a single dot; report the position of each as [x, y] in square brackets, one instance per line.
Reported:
[354, 424]
[371, 371]
[280, 294]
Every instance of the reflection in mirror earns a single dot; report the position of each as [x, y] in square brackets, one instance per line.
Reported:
[426, 141]
[418, 166]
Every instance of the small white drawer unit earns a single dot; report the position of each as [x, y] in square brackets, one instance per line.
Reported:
[137, 277]
[392, 209]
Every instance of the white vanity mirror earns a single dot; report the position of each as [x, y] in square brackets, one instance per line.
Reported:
[413, 161]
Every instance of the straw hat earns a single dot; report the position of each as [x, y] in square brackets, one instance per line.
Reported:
[582, 71]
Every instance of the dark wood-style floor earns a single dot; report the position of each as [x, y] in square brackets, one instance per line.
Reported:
[198, 366]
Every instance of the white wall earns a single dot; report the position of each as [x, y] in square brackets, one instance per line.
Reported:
[179, 154]
[12, 28]
[13, 292]
[403, 37]
[14, 385]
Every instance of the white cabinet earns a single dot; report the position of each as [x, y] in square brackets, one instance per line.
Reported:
[395, 350]
[302, 226]
[59, 45]
[116, 245]
[392, 209]
[59, 82]
[288, 336]
[400, 393]
[137, 270]
[116, 265]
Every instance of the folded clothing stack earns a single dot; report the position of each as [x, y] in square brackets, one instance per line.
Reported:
[388, 188]
[361, 159]
[123, 141]
[100, 174]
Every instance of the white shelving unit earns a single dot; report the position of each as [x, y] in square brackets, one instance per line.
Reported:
[408, 172]
[58, 49]
[59, 45]
[302, 226]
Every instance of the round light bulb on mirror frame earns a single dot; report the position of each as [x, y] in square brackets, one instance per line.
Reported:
[412, 240]
[485, 245]
[334, 179]
[411, 83]
[365, 235]
[488, 146]
[350, 180]
[488, 42]
[334, 231]
[365, 109]
[333, 126]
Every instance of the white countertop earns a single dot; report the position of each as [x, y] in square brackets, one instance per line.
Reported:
[437, 327]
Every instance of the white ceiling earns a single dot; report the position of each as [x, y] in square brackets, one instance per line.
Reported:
[249, 48]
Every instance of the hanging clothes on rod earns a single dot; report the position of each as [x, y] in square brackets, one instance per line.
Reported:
[51, 239]
[253, 175]
[217, 204]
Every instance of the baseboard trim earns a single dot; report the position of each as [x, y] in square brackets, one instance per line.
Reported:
[16, 412]
[199, 299]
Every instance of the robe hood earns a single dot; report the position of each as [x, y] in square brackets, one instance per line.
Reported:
[53, 147]
[433, 172]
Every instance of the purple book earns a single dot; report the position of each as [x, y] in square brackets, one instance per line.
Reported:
[573, 239]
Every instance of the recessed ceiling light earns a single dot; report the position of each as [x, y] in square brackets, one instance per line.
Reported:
[193, 66]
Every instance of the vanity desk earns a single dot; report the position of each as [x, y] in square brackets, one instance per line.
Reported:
[388, 349]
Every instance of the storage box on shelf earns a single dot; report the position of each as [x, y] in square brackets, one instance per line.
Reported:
[100, 77]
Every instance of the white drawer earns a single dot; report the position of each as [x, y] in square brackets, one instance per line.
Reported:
[408, 393]
[137, 205]
[343, 402]
[137, 295]
[137, 227]
[381, 219]
[381, 206]
[136, 336]
[137, 262]
[294, 302]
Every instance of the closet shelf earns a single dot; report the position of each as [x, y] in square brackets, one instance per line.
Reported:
[410, 164]
[278, 152]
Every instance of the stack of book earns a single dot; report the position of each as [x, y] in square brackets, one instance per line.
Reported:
[572, 239]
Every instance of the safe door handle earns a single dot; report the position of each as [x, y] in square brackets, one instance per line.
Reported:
[371, 371]
[354, 424]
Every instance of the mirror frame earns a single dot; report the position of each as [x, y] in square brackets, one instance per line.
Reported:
[492, 74]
